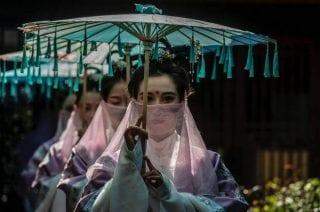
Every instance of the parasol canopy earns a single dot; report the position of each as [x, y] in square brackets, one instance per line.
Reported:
[147, 27]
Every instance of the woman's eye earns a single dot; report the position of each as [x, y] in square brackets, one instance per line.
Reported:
[168, 99]
[115, 102]
[88, 108]
[150, 99]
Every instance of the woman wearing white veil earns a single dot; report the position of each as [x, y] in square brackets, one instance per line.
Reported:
[182, 175]
[94, 141]
[28, 173]
[49, 170]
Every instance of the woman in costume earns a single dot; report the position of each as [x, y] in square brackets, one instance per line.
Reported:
[49, 170]
[28, 174]
[181, 173]
[93, 143]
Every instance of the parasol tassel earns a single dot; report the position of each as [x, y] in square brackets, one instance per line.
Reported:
[76, 85]
[31, 60]
[222, 58]
[275, 66]
[85, 44]
[13, 90]
[56, 82]
[43, 88]
[120, 47]
[4, 69]
[140, 63]
[218, 51]
[93, 46]
[39, 80]
[100, 82]
[155, 55]
[70, 80]
[28, 92]
[202, 70]
[80, 65]
[15, 78]
[24, 62]
[55, 52]
[266, 71]
[110, 67]
[79, 71]
[38, 53]
[49, 92]
[3, 81]
[250, 63]
[29, 80]
[214, 69]
[49, 81]
[192, 53]
[230, 63]
[31, 67]
[48, 52]
[104, 69]
[68, 51]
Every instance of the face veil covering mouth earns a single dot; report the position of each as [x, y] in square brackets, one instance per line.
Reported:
[100, 131]
[94, 141]
[162, 120]
[175, 147]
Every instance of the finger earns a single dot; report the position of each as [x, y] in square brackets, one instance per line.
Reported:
[129, 134]
[134, 130]
[155, 177]
[152, 175]
[149, 164]
[139, 121]
[147, 174]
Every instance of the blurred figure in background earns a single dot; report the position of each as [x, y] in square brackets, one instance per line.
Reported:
[93, 143]
[49, 170]
[28, 173]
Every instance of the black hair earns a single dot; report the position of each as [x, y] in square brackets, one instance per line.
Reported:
[106, 85]
[108, 82]
[179, 76]
[91, 86]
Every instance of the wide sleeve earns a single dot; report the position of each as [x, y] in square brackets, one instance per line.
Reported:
[126, 191]
[229, 197]
[47, 178]
[29, 172]
[51, 166]
[73, 180]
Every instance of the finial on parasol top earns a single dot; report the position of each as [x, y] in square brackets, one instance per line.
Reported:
[147, 9]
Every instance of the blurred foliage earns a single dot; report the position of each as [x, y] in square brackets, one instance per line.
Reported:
[18, 117]
[297, 196]
[16, 120]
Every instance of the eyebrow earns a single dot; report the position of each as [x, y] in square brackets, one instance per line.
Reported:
[141, 93]
[114, 97]
[169, 93]
[166, 93]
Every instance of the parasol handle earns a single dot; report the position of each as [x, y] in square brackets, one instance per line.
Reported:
[128, 62]
[147, 51]
[85, 78]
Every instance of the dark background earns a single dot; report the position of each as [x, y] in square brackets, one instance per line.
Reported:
[239, 117]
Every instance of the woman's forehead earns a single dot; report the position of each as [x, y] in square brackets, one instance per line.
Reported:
[161, 83]
[92, 97]
[119, 88]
